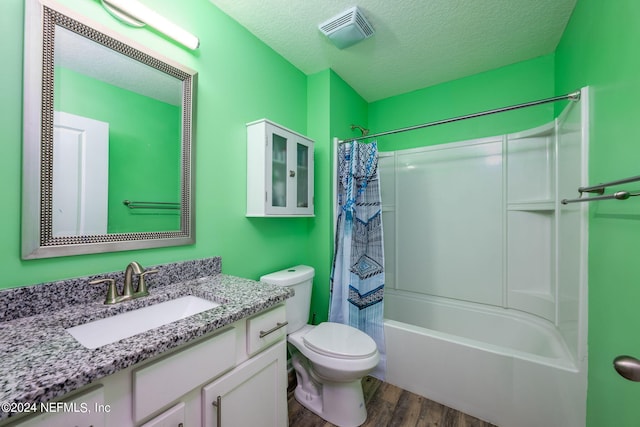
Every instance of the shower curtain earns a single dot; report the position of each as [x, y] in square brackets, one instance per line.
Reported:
[357, 278]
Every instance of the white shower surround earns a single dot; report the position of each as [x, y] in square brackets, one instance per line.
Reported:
[475, 318]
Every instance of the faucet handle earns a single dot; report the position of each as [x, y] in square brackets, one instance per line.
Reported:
[111, 289]
[142, 285]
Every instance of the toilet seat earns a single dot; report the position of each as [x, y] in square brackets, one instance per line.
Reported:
[339, 341]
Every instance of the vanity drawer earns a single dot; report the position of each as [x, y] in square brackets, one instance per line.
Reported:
[265, 329]
[161, 382]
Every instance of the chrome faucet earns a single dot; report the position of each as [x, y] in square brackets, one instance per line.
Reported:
[127, 289]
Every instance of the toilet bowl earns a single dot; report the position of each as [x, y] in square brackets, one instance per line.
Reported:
[329, 359]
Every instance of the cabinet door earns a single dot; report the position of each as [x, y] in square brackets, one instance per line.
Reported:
[301, 163]
[253, 394]
[289, 173]
[278, 149]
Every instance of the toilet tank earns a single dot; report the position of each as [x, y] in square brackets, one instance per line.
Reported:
[300, 278]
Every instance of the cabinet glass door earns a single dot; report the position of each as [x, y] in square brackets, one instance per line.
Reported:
[279, 171]
[302, 176]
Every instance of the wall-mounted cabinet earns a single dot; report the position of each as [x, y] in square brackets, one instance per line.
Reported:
[279, 171]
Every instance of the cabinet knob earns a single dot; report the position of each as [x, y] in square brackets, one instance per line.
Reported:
[292, 173]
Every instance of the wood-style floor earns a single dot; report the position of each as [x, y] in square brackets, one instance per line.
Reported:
[390, 406]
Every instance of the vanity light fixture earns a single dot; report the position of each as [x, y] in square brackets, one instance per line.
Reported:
[136, 14]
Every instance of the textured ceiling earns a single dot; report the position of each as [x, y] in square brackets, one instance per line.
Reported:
[417, 43]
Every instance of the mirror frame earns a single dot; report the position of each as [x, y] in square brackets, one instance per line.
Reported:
[41, 18]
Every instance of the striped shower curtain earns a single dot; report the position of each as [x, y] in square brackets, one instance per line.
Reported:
[357, 278]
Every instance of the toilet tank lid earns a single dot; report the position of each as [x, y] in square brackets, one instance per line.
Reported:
[289, 276]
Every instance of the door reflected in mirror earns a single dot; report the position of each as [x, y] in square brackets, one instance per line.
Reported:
[80, 175]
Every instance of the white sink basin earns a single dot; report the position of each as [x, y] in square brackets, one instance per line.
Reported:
[100, 332]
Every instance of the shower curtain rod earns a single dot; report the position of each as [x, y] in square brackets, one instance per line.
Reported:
[573, 96]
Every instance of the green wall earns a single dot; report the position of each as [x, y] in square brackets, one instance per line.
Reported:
[600, 48]
[240, 80]
[319, 121]
[144, 148]
[333, 107]
[510, 85]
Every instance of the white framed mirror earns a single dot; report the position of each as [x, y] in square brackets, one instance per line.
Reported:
[108, 140]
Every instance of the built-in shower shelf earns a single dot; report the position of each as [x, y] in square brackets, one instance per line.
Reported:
[543, 205]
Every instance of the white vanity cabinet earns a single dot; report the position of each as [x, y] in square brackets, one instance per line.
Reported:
[279, 171]
[244, 364]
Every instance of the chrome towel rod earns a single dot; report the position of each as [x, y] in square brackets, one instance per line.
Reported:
[151, 205]
[619, 195]
[599, 189]
[573, 96]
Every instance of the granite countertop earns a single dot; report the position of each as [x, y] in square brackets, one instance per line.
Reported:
[40, 361]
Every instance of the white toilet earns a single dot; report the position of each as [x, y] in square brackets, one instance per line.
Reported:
[330, 359]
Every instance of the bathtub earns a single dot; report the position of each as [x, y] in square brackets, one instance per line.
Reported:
[502, 366]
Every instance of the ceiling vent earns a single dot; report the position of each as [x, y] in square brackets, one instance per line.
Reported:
[347, 29]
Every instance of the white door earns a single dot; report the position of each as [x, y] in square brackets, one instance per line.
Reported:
[80, 175]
